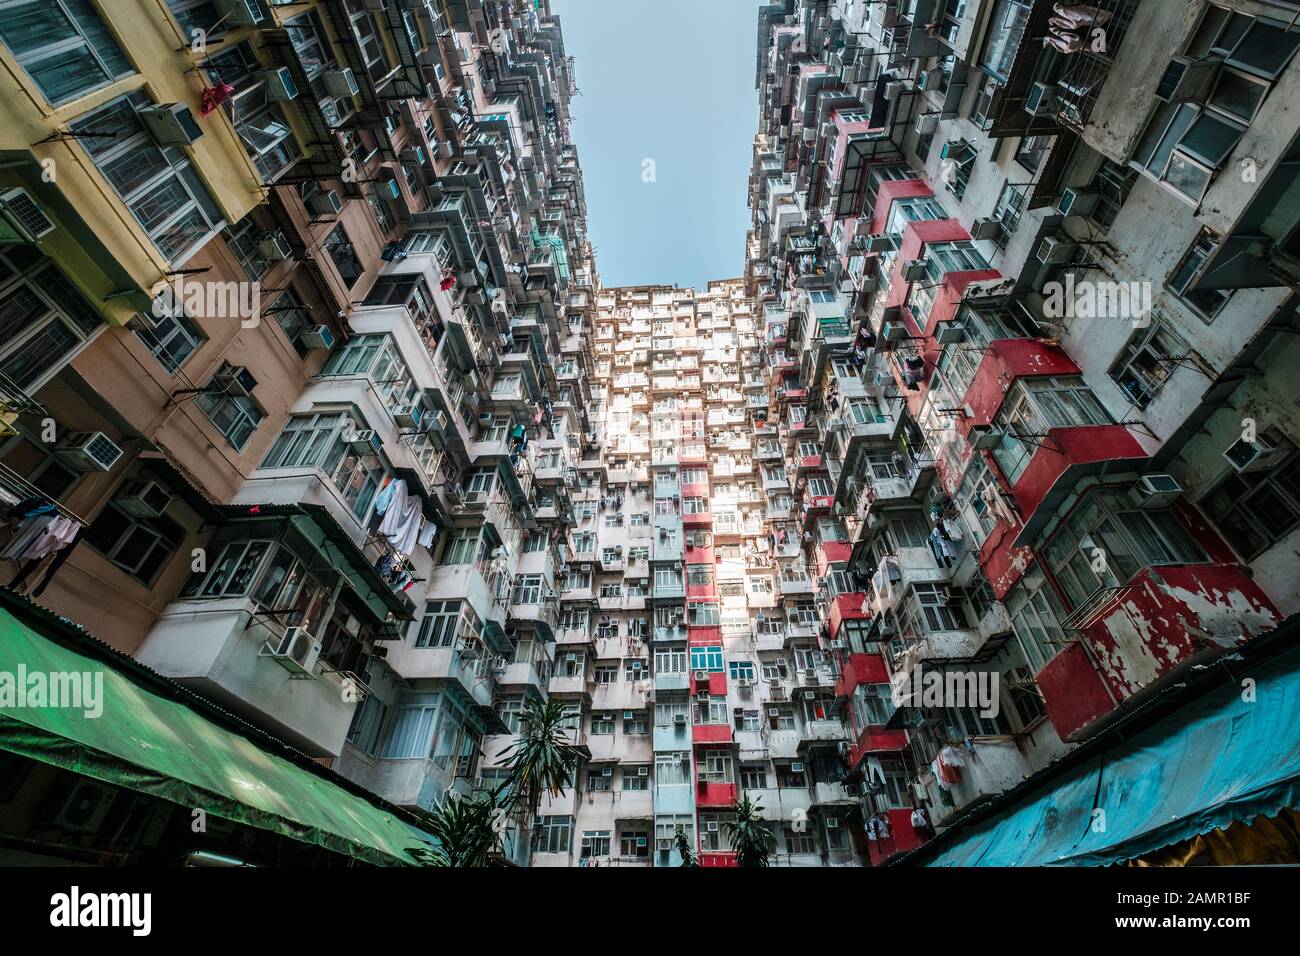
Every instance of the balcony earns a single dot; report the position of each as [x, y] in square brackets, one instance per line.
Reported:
[217, 648]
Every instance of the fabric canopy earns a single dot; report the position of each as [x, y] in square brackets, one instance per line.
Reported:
[145, 742]
[1219, 759]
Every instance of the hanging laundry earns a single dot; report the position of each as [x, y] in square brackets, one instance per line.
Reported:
[921, 824]
[875, 773]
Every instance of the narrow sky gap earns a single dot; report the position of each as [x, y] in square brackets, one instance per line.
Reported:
[671, 81]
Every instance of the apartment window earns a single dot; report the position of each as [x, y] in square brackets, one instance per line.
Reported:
[931, 607]
[344, 256]
[414, 723]
[1206, 303]
[672, 769]
[748, 720]
[44, 319]
[706, 659]
[508, 710]
[638, 725]
[742, 670]
[554, 834]
[139, 546]
[670, 660]
[753, 778]
[1023, 695]
[1256, 509]
[872, 705]
[1186, 142]
[597, 780]
[294, 319]
[715, 766]
[309, 43]
[1011, 204]
[159, 186]
[462, 546]
[1149, 358]
[235, 416]
[367, 722]
[259, 121]
[1035, 614]
[1112, 184]
[1031, 150]
[702, 615]
[322, 442]
[607, 674]
[1006, 28]
[800, 842]
[1034, 406]
[634, 843]
[634, 781]
[982, 106]
[595, 843]
[1126, 539]
[63, 45]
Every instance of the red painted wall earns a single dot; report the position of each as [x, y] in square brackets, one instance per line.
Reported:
[901, 838]
[1073, 692]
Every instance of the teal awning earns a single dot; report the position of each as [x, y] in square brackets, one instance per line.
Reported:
[1214, 761]
[148, 738]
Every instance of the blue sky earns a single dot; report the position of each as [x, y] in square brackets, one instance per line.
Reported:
[670, 81]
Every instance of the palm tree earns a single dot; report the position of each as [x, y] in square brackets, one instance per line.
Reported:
[750, 835]
[467, 828]
[682, 843]
[541, 760]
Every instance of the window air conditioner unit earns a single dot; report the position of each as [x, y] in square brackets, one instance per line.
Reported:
[665, 845]
[1158, 491]
[895, 89]
[607, 771]
[296, 650]
[366, 442]
[832, 823]
[1053, 250]
[928, 79]
[1257, 455]
[234, 380]
[796, 767]
[318, 338]
[950, 333]
[985, 228]
[927, 123]
[881, 243]
[1041, 99]
[893, 330]
[325, 203]
[171, 124]
[701, 675]
[712, 825]
[628, 715]
[280, 85]
[679, 718]
[413, 155]
[408, 416]
[1077, 202]
[239, 12]
[915, 270]
[984, 437]
[26, 220]
[143, 499]
[485, 418]
[341, 83]
[275, 248]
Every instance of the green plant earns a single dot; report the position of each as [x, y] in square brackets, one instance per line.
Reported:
[751, 836]
[682, 843]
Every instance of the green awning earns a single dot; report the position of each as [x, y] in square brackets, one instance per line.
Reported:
[146, 742]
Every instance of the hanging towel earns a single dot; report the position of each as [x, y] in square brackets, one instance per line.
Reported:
[386, 495]
[427, 534]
